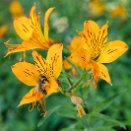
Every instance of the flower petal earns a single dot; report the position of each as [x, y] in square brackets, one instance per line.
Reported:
[77, 43]
[54, 59]
[33, 16]
[26, 73]
[23, 27]
[96, 7]
[112, 51]
[52, 88]
[31, 97]
[40, 63]
[103, 73]
[80, 58]
[24, 46]
[103, 34]
[119, 11]
[91, 27]
[16, 9]
[46, 18]
[100, 71]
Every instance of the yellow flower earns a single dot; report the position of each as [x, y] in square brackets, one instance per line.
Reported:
[42, 75]
[96, 7]
[29, 30]
[16, 9]
[97, 50]
[3, 31]
[119, 11]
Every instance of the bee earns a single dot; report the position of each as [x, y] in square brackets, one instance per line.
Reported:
[41, 85]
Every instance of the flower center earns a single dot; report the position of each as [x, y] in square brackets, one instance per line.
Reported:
[94, 45]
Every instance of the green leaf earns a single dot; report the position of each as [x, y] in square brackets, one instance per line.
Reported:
[73, 127]
[127, 123]
[94, 121]
[68, 111]
[76, 126]
[106, 103]
[111, 121]
[50, 112]
[104, 128]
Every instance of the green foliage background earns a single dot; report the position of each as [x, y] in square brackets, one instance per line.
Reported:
[108, 108]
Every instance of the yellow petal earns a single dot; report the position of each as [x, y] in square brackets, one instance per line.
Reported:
[100, 71]
[40, 63]
[119, 11]
[80, 58]
[103, 73]
[52, 88]
[46, 18]
[26, 73]
[24, 46]
[37, 34]
[31, 97]
[91, 27]
[54, 59]
[96, 7]
[16, 9]
[112, 51]
[33, 16]
[103, 34]
[76, 43]
[23, 27]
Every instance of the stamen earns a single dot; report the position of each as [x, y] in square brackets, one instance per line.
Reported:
[38, 107]
[31, 107]
[43, 105]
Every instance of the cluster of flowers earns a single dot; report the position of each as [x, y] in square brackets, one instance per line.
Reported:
[89, 50]
[98, 7]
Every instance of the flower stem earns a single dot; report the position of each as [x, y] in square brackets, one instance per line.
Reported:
[68, 79]
[78, 82]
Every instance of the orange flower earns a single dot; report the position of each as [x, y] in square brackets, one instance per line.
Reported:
[96, 7]
[119, 11]
[42, 75]
[97, 50]
[3, 31]
[16, 9]
[29, 30]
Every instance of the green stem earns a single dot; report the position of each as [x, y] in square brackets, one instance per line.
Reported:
[62, 90]
[70, 82]
[78, 82]
[68, 79]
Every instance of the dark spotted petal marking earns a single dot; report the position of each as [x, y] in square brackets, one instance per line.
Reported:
[40, 63]
[112, 51]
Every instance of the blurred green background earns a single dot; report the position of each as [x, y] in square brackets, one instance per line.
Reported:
[112, 102]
